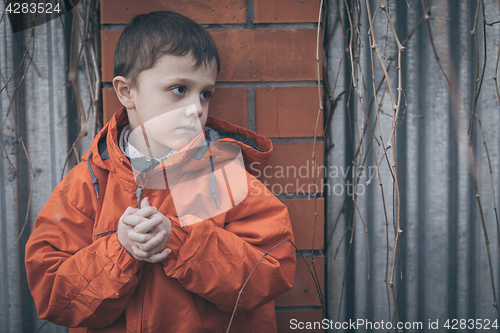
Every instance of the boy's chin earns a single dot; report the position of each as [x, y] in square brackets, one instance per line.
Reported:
[161, 146]
[176, 145]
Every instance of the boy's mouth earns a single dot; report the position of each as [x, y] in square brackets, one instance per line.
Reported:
[187, 129]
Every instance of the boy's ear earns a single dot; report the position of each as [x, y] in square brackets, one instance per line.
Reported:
[124, 92]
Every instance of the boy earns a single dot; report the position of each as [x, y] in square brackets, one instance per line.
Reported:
[159, 226]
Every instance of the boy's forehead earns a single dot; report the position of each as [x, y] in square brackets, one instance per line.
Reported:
[183, 68]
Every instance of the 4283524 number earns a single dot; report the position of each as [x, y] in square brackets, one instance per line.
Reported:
[32, 8]
[478, 324]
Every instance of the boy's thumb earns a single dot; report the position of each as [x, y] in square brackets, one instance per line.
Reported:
[145, 202]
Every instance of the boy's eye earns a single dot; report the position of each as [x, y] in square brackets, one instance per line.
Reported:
[179, 90]
[206, 95]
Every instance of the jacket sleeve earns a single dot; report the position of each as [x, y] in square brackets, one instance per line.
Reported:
[215, 261]
[75, 281]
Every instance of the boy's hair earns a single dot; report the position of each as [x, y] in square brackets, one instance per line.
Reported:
[149, 36]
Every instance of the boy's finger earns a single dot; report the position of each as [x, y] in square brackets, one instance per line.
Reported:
[147, 226]
[145, 202]
[130, 210]
[139, 238]
[137, 253]
[158, 257]
[146, 211]
[140, 254]
[133, 220]
[154, 242]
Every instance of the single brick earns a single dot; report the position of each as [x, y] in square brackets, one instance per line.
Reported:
[302, 216]
[287, 111]
[231, 104]
[288, 320]
[286, 11]
[248, 55]
[266, 54]
[109, 38]
[110, 104]
[304, 292]
[290, 169]
[201, 11]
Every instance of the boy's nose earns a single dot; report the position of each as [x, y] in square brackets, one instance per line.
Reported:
[194, 110]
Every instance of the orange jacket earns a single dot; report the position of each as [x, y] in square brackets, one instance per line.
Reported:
[81, 276]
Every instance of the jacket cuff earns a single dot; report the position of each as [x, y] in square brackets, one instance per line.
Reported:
[178, 237]
[122, 259]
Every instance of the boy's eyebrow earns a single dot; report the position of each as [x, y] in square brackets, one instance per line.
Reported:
[180, 79]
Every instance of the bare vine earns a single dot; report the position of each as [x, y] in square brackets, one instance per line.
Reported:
[477, 86]
[347, 15]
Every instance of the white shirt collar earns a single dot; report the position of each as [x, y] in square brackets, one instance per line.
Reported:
[132, 152]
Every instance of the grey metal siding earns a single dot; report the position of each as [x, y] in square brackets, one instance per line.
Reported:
[442, 269]
[39, 115]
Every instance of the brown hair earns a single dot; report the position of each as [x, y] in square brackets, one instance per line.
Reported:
[149, 36]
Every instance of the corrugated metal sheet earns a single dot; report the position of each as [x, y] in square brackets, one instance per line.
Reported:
[38, 116]
[442, 270]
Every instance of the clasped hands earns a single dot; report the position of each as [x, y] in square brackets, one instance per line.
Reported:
[144, 233]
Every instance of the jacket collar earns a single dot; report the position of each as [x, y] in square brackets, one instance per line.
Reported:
[106, 153]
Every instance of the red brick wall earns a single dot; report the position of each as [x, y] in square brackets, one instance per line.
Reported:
[267, 83]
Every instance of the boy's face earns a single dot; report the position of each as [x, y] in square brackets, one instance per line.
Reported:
[171, 101]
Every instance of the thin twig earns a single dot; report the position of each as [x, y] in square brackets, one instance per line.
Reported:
[492, 23]
[24, 55]
[431, 39]
[320, 96]
[473, 164]
[316, 282]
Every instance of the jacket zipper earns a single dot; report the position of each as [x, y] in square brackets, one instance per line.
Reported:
[140, 188]
[138, 194]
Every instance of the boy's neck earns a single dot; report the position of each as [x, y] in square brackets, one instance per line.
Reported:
[139, 149]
